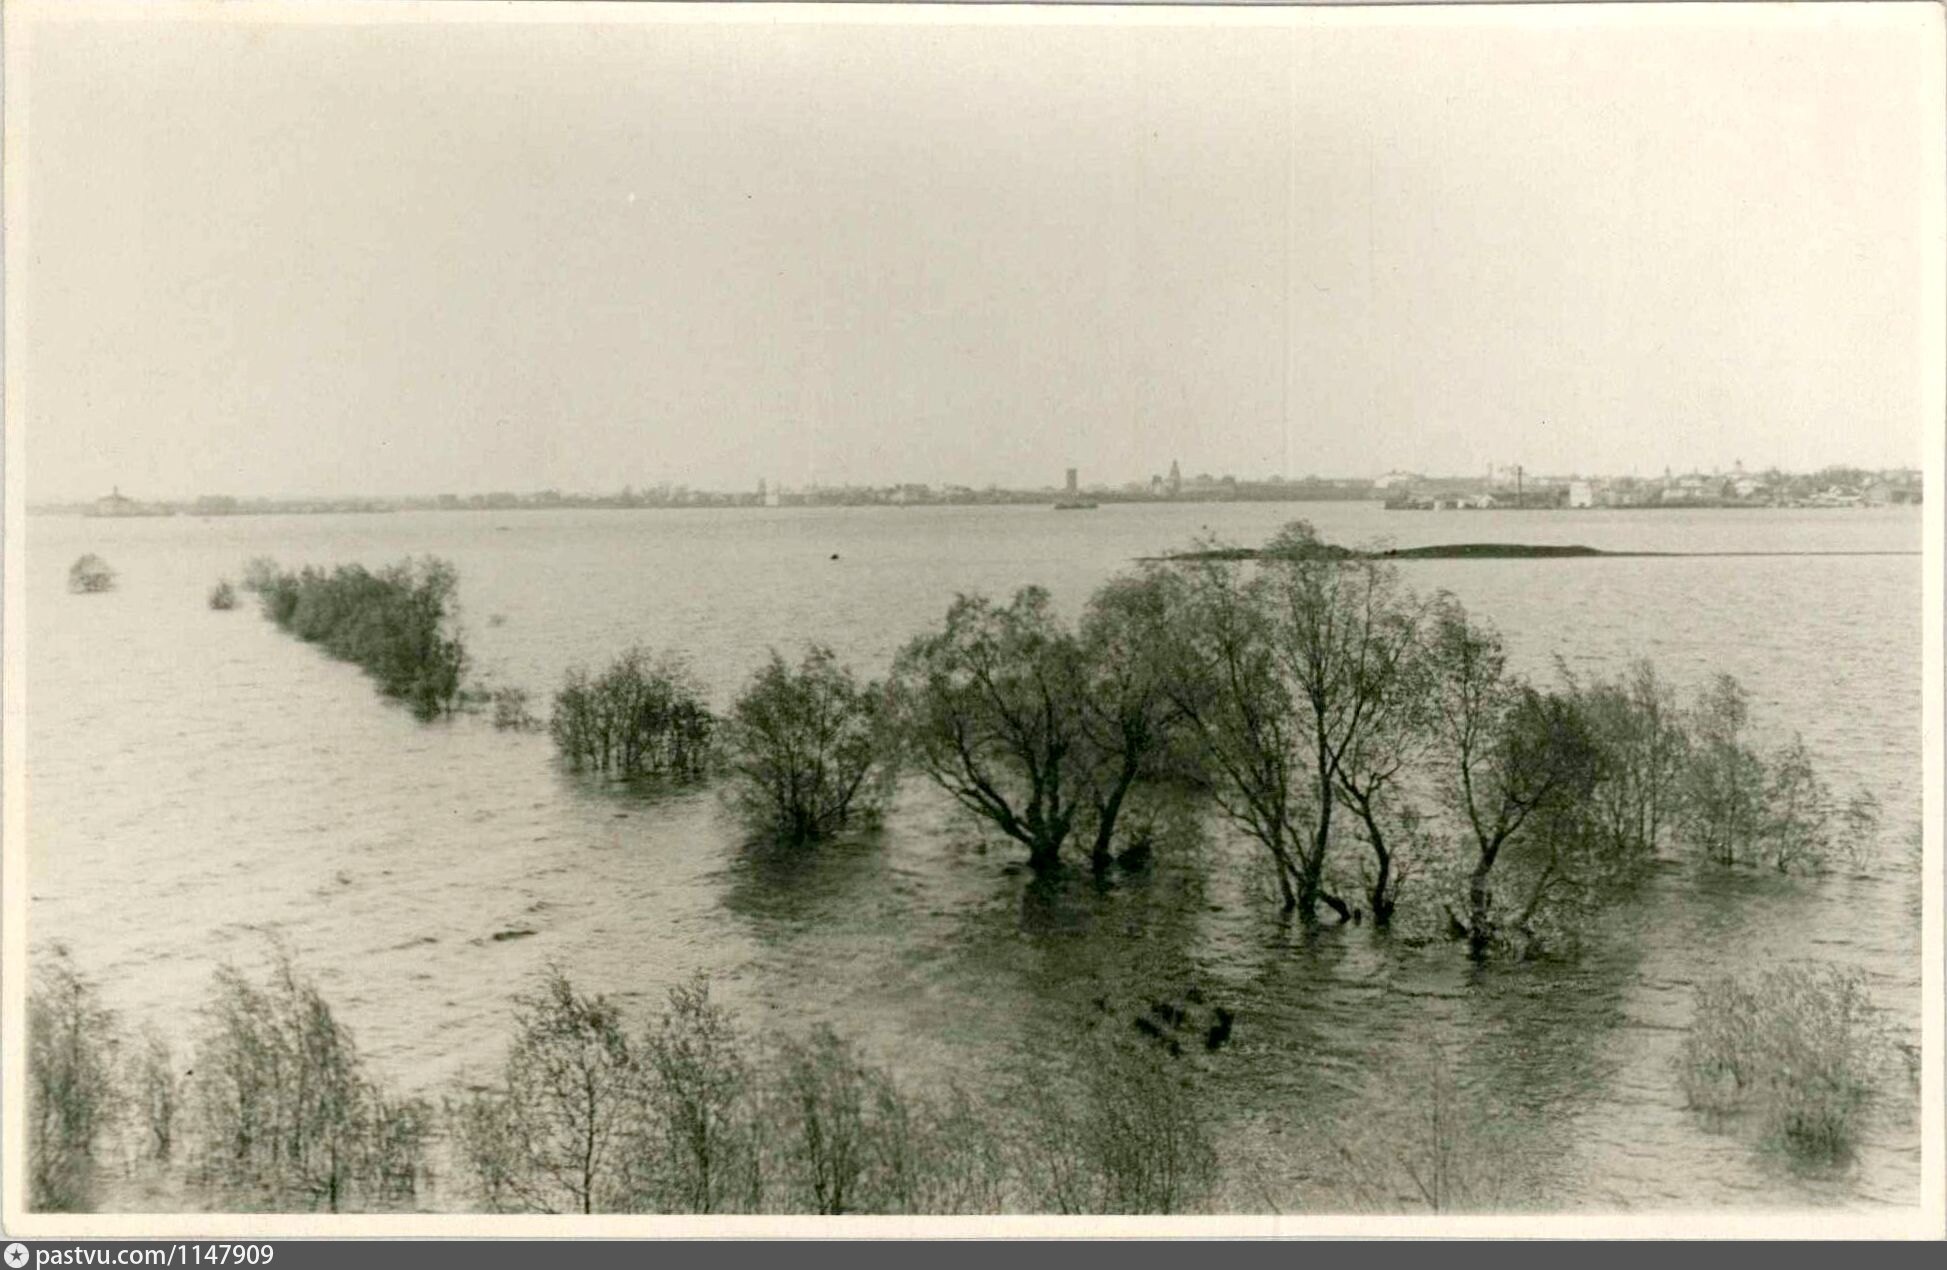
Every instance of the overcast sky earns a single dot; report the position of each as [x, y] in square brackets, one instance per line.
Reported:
[276, 258]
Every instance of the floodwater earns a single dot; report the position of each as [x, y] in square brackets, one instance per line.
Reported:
[197, 779]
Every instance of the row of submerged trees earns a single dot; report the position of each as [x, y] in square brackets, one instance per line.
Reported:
[272, 1107]
[1370, 740]
[1361, 734]
[689, 1114]
[399, 623]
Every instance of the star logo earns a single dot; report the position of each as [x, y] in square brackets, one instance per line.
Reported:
[16, 1256]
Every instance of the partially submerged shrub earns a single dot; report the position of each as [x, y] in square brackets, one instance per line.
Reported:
[827, 1108]
[72, 1095]
[223, 596]
[1741, 806]
[1639, 734]
[642, 716]
[555, 1137]
[90, 574]
[1799, 1048]
[805, 745]
[1131, 1139]
[282, 1103]
[511, 712]
[260, 574]
[1420, 1140]
[158, 1094]
[699, 1149]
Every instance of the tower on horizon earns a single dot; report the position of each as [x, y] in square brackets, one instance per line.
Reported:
[1176, 478]
[1072, 485]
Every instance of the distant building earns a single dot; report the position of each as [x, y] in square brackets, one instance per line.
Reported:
[113, 504]
[1581, 494]
[1392, 479]
[1176, 479]
[1072, 486]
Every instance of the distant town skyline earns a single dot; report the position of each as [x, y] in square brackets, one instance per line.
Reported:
[386, 258]
[1844, 485]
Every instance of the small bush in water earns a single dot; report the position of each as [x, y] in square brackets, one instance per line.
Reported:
[511, 712]
[1799, 1047]
[223, 596]
[643, 716]
[90, 574]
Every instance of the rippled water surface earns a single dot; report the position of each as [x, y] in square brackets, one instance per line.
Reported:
[196, 778]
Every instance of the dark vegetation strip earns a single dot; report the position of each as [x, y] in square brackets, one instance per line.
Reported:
[272, 1108]
[399, 624]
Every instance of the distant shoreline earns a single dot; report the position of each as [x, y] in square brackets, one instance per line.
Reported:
[1494, 551]
[325, 507]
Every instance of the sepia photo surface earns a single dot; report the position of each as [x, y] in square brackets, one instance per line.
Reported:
[909, 619]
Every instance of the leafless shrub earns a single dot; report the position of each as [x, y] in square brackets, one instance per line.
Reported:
[1420, 1141]
[282, 1104]
[72, 1095]
[824, 1100]
[1799, 1047]
[158, 1093]
[554, 1137]
[699, 1147]
[511, 712]
[1130, 1139]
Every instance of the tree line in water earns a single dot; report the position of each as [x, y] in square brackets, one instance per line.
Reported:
[1375, 744]
[272, 1108]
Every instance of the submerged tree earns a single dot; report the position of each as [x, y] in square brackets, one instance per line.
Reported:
[806, 746]
[1518, 763]
[1741, 806]
[1644, 748]
[1237, 707]
[1128, 714]
[1298, 679]
[1357, 657]
[992, 709]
